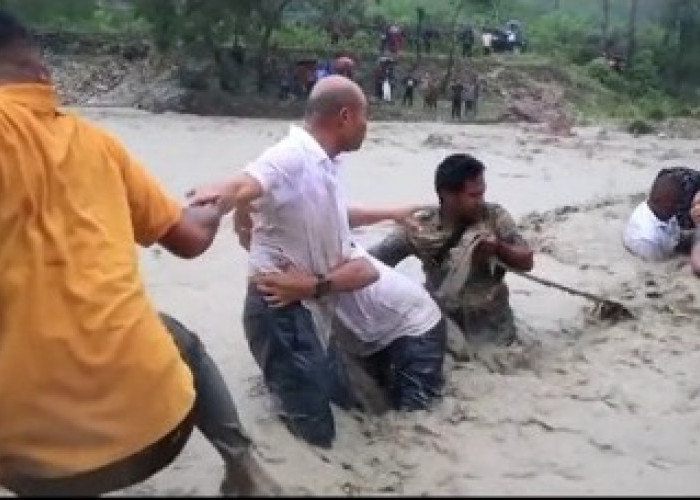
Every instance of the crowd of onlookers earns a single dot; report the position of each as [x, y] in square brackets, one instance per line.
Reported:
[462, 90]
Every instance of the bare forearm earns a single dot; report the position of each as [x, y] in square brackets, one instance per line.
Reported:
[392, 249]
[518, 257]
[194, 233]
[361, 216]
[353, 275]
[237, 191]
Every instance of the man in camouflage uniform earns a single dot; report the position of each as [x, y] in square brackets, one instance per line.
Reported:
[459, 243]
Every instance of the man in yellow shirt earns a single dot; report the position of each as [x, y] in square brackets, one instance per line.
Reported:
[97, 391]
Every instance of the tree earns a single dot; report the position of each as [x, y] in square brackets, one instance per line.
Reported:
[632, 30]
[687, 63]
[268, 17]
[50, 13]
[193, 25]
[459, 6]
[420, 12]
[605, 27]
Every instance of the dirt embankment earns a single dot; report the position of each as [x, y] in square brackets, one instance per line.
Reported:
[114, 72]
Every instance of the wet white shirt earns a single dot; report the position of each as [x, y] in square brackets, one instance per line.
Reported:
[648, 237]
[302, 219]
[394, 306]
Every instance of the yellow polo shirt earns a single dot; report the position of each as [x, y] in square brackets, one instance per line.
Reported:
[88, 374]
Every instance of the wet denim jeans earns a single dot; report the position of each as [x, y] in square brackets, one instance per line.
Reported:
[296, 368]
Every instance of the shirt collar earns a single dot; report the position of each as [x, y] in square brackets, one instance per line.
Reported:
[38, 97]
[310, 144]
[658, 222]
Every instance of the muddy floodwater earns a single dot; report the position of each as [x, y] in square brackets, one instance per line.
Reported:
[584, 407]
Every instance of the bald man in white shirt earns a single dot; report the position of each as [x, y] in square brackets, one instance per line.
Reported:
[652, 231]
[301, 221]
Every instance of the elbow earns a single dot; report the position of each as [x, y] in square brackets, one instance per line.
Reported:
[193, 253]
[369, 273]
[190, 248]
[198, 247]
[189, 252]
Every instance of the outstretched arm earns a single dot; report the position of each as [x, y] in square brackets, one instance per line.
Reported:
[238, 191]
[362, 216]
[394, 248]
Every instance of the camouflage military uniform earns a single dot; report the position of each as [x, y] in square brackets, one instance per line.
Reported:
[479, 305]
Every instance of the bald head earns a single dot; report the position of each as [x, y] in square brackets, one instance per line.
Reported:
[333, 93]
[336, 114]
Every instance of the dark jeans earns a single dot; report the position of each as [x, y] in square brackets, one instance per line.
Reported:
[214, 414]
[469, 106]
[456, 108]
[410, 368]
[295, 367]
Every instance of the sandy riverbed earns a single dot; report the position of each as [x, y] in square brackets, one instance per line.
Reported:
[586, 408]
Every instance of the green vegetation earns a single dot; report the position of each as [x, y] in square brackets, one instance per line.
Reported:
[659, 41]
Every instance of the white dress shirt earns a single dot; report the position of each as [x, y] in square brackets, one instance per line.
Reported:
[302, 219]
[650, 238]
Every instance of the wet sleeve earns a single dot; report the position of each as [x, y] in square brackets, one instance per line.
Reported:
[153, 211]
[392, 249]
[646, 249]
[276, 168]
[506, 229]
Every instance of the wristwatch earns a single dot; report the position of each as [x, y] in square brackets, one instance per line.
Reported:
[323, 286]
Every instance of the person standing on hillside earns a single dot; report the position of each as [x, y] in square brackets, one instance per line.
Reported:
[471, 96]
[457, 89]
[409, 89]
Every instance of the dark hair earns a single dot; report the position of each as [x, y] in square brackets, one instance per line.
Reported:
[667, 183]
[455, 170]
[12, 31]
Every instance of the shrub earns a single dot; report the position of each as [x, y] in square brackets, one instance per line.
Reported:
[640, 127]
